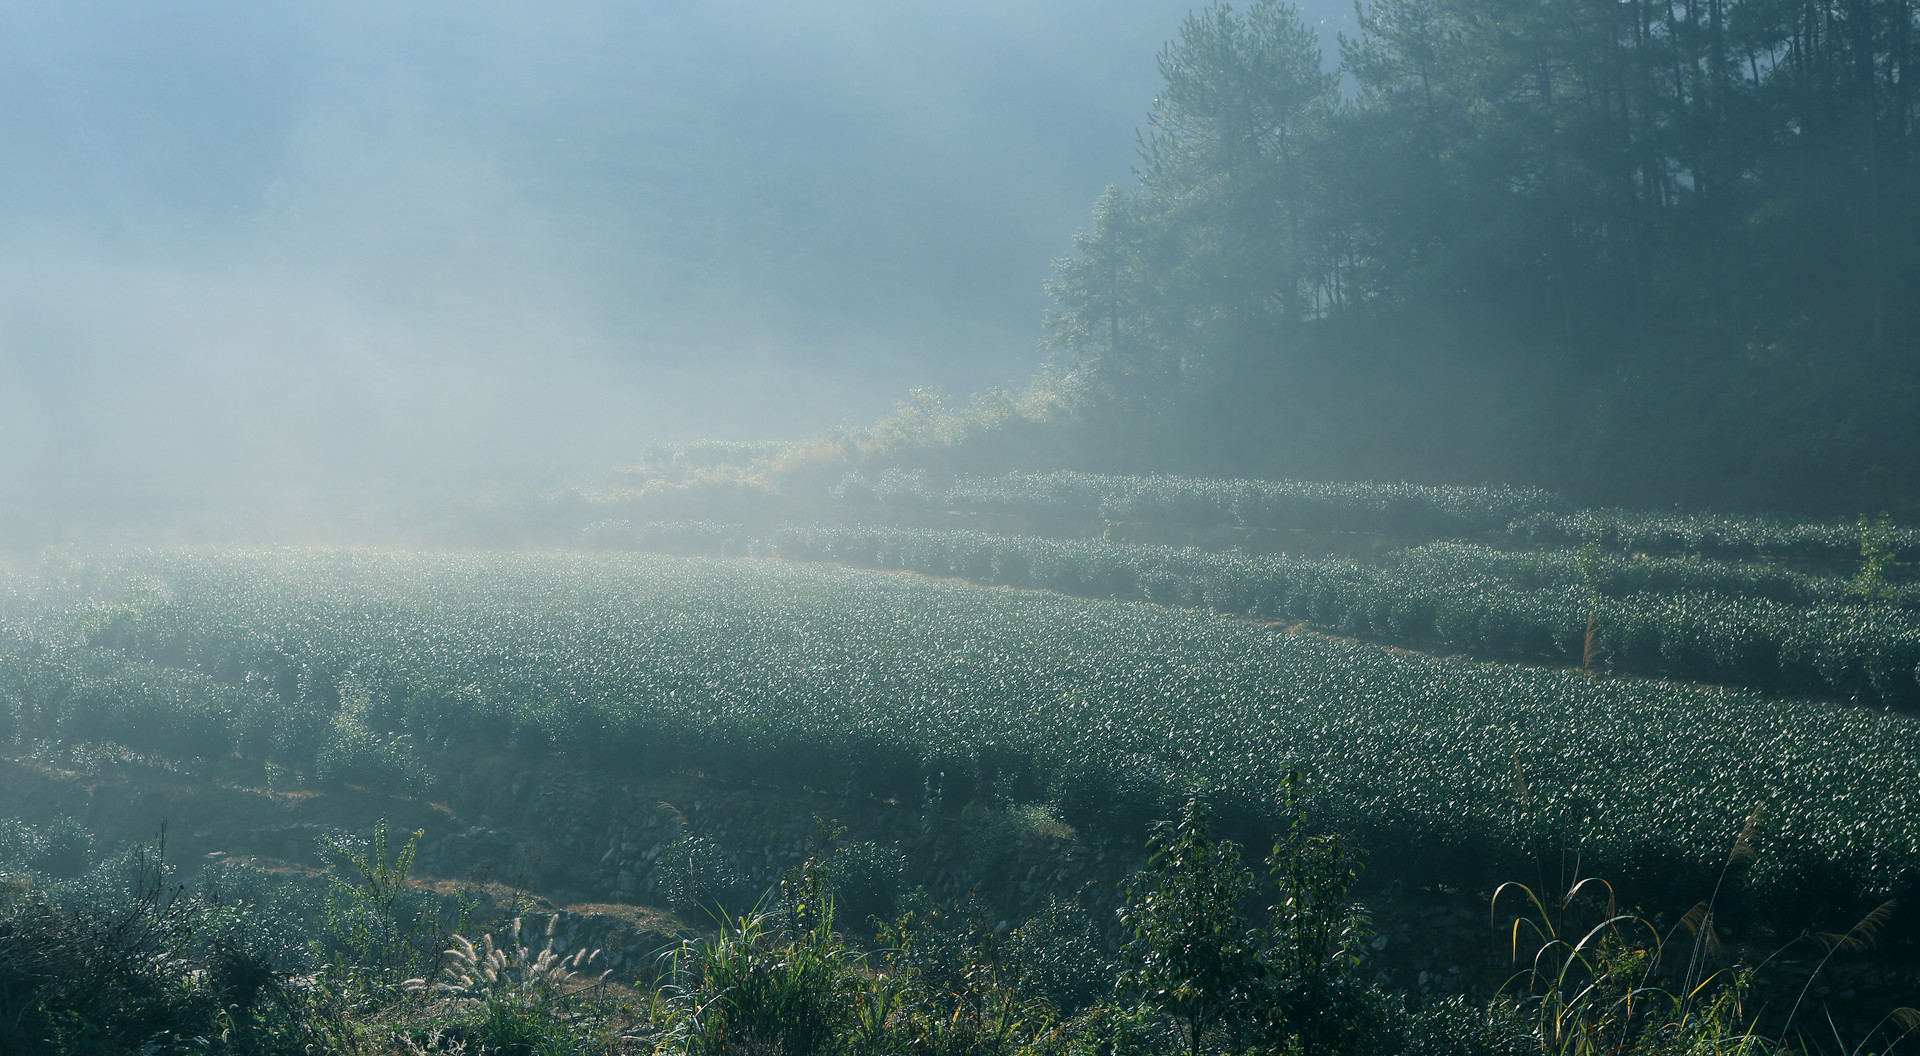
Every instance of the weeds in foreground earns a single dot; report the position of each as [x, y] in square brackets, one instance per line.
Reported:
[1597, 989]
[1271, 960]
[373, 923]
[512, 971]
[783, 979]
[1599, 981]
[1286, 980]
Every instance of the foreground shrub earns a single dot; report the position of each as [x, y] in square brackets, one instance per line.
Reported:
[1285, 980]
[138, 965]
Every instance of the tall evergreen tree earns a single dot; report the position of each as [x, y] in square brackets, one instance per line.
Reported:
[1682, 234]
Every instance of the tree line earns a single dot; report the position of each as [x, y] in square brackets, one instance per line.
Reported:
[1646, 251]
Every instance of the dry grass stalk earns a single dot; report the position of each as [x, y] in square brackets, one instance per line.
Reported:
[1591, 651]
[1699, 923]
[1861, 936]
[1743, 844]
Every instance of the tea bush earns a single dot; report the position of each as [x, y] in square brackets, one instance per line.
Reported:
[1689, 618]
[834, 678]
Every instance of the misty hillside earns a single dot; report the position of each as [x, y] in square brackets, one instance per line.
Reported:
[277, 244]
[870, 529]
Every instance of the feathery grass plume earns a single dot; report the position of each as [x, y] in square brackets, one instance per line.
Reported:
[1520, 781]
[1595, 994]
[1859, 937]
[1906, 1019]
[1706, 935]
[1743, 844]
[1591, 651]
[514, 971]
[1699, 923]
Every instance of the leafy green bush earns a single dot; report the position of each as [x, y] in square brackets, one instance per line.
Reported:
[122, 960]
[815, 675]
[1454, 1026]
[1833, 543]
[1690, 618]
[62, 848]
[866, 879]
[72, 981]
[1061, 954]
[357, 751]
[1283, 981]
[1077, 502]
[697, 877]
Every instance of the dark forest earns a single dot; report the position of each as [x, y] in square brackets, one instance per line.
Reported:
[1658, 253]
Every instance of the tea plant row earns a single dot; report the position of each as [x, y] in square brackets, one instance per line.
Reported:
[1704, 621]
[1711, 535]
[901, 687]
[1511, 516]
[1395, 509]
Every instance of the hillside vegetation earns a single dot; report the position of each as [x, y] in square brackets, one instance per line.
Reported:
[1645, 252]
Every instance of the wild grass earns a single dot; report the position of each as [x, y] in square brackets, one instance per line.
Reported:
[1598, 979]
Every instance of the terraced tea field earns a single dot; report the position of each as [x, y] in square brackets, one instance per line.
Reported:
[1760, 627]
[1507, 515]
[369, 666]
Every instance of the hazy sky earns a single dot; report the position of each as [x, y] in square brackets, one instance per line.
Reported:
[247, 238]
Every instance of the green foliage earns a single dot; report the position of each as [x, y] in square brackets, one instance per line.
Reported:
[1095, 498]
[357, 752]
[377, 924]
[814, 675]
[1061, 955]
[1592, 562]
[1117, 1030]
[1311, 998]
[1832, 543]
[123, 960]
[749, 984]
[508, 1028]
[1696, 619]
[1286, 981]
[1513, 251]
[1455, 1026]
[1506, 515]
[1224, 172]
[1596, 985]
[257, 929]
[72, 981]
[130, 962]
[61, 848]
[1191, 953]
[804, 989]
[696, 876]
[866, 879]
